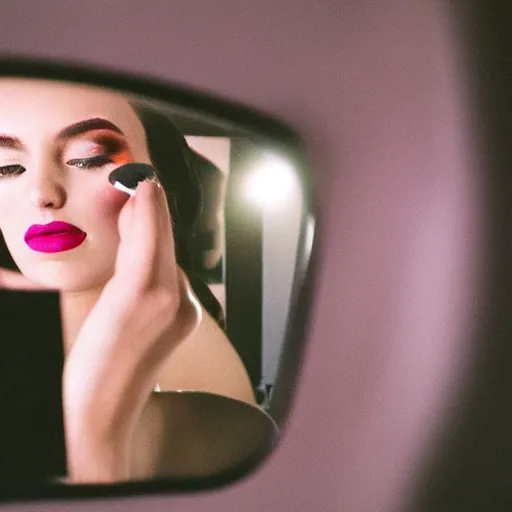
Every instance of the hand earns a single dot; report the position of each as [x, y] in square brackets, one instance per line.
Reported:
[144, 311]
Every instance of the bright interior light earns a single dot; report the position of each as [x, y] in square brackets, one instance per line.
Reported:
[272, 181]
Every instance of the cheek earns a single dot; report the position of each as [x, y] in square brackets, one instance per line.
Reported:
[109, 201]
[9, 214]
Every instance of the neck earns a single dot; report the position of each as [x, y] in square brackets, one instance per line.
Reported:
[74, 308]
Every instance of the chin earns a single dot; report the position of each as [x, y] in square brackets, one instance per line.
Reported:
[68, 278]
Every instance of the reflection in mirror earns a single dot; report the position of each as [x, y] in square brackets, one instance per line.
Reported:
[173, 302]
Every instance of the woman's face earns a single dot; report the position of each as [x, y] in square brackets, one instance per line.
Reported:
[58, 145]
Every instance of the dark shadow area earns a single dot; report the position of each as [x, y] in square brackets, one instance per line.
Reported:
[32, 448]
[472, 467]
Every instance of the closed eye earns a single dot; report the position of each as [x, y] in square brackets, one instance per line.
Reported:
[11, 170]
[90, 163]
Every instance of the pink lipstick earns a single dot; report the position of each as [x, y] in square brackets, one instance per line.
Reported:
[56, 236]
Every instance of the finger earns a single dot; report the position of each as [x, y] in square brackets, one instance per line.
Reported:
[9, 279]
[167, 256]
[165, 214]
[138, 249]
[126, 218]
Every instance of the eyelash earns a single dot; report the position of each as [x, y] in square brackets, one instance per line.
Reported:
[11, 170]
[82, 163]
[90, 163]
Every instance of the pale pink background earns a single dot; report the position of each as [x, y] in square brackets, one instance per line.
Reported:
[378, 90]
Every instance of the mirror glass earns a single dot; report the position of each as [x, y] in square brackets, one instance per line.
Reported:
[173, 302]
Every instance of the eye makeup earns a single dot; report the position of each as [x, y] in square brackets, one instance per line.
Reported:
[9, 162]
[88, 150]
[11, 170]
[97, 151]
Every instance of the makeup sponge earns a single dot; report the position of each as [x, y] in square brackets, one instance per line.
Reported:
[129, 175]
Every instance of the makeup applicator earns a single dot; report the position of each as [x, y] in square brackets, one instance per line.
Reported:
[127, 177]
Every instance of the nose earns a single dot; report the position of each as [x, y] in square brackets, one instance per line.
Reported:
[47, 189]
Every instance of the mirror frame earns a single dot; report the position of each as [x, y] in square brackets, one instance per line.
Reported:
[263, 127]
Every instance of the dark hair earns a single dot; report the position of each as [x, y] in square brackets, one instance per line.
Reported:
[174, 162]
[172, 159]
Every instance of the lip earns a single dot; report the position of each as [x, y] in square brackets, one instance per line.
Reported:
[54, 237]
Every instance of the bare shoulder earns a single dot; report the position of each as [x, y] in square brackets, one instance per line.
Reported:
[207, 361]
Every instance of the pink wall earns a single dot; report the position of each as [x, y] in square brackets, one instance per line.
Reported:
[377, 90]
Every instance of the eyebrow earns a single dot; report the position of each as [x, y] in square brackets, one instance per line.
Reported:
[88, 125]
[6, 141]
[73, 130]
